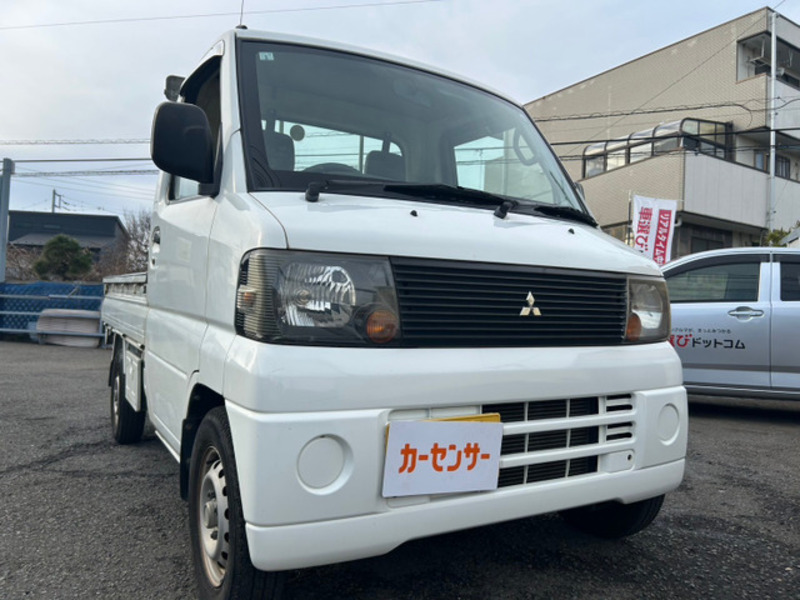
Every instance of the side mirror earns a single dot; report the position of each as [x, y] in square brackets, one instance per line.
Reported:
[181, 142]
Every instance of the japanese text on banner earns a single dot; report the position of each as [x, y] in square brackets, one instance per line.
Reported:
[653, 224]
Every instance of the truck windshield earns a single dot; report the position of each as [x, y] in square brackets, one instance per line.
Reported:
[314, 115]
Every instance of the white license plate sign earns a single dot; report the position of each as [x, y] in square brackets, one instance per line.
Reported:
[440, 457]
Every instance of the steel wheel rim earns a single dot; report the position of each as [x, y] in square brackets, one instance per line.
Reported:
[115, 400]
[213, 517]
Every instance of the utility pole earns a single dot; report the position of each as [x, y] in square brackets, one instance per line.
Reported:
[5, 194]
[773, 57]
[53, 201]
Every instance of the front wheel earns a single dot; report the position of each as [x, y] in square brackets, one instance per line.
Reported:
[614, 520]
[216, 524]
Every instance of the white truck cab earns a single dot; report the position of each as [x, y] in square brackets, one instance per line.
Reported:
[377, 309]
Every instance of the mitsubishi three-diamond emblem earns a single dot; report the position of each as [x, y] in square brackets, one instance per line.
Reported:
[530, 309]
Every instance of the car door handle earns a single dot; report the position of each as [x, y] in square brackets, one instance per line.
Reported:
[155, 246]
[745, 312]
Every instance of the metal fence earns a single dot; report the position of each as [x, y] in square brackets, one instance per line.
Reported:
[22, 303]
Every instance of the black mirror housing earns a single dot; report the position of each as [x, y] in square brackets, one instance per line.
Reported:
[181, 143]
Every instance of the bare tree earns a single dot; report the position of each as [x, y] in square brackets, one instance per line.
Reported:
[128, 254]
[19, 263]
[138, 226]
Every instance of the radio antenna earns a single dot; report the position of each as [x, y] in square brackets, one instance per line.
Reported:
[241, 14]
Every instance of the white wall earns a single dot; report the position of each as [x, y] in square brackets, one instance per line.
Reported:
[787, 108]
[787, 204]
[725, 190]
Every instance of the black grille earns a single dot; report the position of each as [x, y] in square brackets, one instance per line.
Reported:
[556, 439]
[455, 304]
[547, 471]
[511, 412]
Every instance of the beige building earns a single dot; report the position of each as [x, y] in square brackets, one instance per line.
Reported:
[690, 122]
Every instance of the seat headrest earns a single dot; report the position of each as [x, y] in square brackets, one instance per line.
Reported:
[385, 165]
[280, 151]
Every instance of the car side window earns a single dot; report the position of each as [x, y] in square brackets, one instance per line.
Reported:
[790, 281]
[734, 282]
[203, 90]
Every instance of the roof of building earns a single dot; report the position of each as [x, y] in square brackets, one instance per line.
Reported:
[28, 228]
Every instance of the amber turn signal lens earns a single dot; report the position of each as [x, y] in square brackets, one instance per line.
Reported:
[634, 329]
[382, 326]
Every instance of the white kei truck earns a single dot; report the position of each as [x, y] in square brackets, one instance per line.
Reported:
[376, 309]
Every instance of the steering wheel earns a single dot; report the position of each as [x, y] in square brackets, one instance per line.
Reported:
[331, 167]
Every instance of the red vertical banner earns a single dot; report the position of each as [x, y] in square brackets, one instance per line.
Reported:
[663, 241]
[653, 226]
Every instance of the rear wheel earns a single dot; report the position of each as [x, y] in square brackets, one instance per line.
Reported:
[613, 520]
[219, 545]
[127, 425]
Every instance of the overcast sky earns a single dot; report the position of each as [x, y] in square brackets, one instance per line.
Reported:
[95, 69]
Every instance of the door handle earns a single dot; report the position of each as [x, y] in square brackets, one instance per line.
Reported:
[745, 312]
[155, 246]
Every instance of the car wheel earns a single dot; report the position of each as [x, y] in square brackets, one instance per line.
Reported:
[127, 425]
[613, 520]
[219, 544]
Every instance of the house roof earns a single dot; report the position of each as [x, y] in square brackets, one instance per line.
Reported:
[37, 228]
[86, 241]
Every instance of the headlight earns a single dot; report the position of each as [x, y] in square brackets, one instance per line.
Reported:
[648, 311]
[314, 298]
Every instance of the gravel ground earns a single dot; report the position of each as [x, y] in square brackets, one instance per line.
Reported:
[84, 518]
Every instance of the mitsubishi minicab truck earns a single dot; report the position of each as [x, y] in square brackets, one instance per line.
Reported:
[376, 309]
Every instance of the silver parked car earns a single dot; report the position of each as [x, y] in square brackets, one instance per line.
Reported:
[736, 321]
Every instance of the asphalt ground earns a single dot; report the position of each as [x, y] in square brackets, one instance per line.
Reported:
[81, 517]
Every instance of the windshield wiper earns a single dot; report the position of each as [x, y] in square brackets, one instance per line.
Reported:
[453, 193]
[340, 185]
[564, 212]
[428, 191]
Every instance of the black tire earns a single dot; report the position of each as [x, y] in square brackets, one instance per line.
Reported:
[216, 525]
[127, 425]
[613, 520]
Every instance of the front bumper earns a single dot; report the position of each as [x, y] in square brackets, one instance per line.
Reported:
[309, 429]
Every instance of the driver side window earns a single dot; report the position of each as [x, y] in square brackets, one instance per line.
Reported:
[203, 90]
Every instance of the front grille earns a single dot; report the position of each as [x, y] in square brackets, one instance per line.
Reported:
[456, 304]
[571, 428]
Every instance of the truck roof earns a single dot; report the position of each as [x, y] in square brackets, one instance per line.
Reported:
[271, 36]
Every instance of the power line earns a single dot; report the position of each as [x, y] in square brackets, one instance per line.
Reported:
[640, 111]
[105, 194]
[735, 39]
[73, 142]
[88, 173]
[60, 160]
[108, 188]
[632, 142]
[213, 15]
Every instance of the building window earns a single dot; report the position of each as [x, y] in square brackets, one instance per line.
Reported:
[706, 137]
[594, 160]
[755, 56]
[698, 244]
[783, 166]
